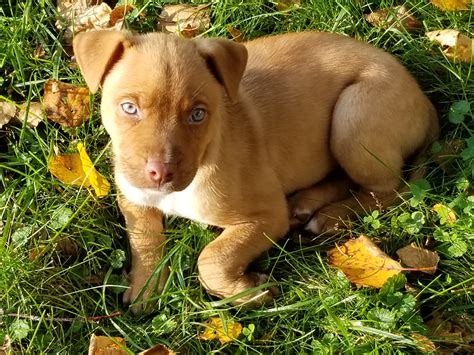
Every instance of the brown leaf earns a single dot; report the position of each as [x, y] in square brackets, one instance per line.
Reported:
[66, 104]
[456, 46]
[119, 13]
[363, 262]
[158, 349]
[451, 5]
[396, 17]
[416, 257]
[7, 112]
[284, 5]
[6, 347]
[101, 345]
[455, 334]
[237, 35]
[39, 52]
[184, 20]
[423, 343]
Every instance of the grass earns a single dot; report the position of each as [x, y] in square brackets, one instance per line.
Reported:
[62, 251]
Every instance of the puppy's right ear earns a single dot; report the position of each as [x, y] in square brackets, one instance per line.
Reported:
[96, 52]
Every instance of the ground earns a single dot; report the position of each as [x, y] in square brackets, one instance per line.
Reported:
[63, 251]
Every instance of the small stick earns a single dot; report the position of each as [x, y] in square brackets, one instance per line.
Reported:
[59, 319]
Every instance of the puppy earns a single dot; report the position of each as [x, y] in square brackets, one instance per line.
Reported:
[221, 133]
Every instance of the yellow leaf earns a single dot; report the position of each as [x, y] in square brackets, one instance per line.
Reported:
[77, 169]
[445, 212]
[216, 329]
[68, 169]
[102, 345]
[457, 46]
[363, 262]
[451, 5]
[97, 181]
[416, 257]
[284, 5]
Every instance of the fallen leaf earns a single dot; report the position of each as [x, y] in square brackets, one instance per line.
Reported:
[39, 52]
[83, 15]
[416, 257]
[7, 112]
[284, 5]
[397, 17]
[184, 20]
[451, 5]
[11, 113]
[363, 262]
[158, 349]
[102, 345]
[33, 116]
[423, 343]
[456, 46]
[236, 34]
[118, 14]
[446, 213]
[97, 181]
[77, 169]
[456, 334]
[6, 347]
[66, 104]
[217, 329]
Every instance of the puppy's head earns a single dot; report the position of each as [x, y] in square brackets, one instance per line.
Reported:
[163, 100]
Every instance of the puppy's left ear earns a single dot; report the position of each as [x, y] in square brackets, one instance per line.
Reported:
[226, 60]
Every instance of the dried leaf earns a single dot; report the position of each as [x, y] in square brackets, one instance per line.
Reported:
[6, 347]
[35, 114]
[7, 112]
[456, 46]
[102, 345]
[39, 52]
[77, 169]
[363, 262]
[451, 5]
[184, 20]
[66, 104]
[237, 35]
[446, 213]
[284, 5]
[397, 17]
[217, 329]
[416, 257]
[85, 15]
[423, 343]
[456, 334]
[118, 14]
[158, 349]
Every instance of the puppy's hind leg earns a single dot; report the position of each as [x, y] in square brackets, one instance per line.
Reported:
[304, 203]
[374, 128]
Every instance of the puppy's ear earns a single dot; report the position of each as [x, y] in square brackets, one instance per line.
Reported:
[96, 52]
[226, 60]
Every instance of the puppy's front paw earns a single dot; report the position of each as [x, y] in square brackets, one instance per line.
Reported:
[140, 290]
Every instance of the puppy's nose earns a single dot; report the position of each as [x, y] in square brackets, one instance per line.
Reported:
[159, 172]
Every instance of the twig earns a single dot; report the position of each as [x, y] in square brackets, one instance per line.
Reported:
[61, 319]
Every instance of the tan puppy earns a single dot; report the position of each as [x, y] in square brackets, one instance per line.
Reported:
[221, 132]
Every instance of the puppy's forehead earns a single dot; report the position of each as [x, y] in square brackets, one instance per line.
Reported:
[159, 65]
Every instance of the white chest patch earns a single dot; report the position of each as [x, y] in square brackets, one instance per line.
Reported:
[183, 203]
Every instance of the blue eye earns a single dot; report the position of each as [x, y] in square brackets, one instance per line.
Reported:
[197, 115]
[129, 108]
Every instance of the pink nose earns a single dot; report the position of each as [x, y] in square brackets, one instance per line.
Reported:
[158, 172]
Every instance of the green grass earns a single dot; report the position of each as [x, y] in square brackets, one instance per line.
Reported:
[77, 239]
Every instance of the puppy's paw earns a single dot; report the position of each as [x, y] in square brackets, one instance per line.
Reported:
[244, 284]
[329, 220]
[140, 291]
[301, 207]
